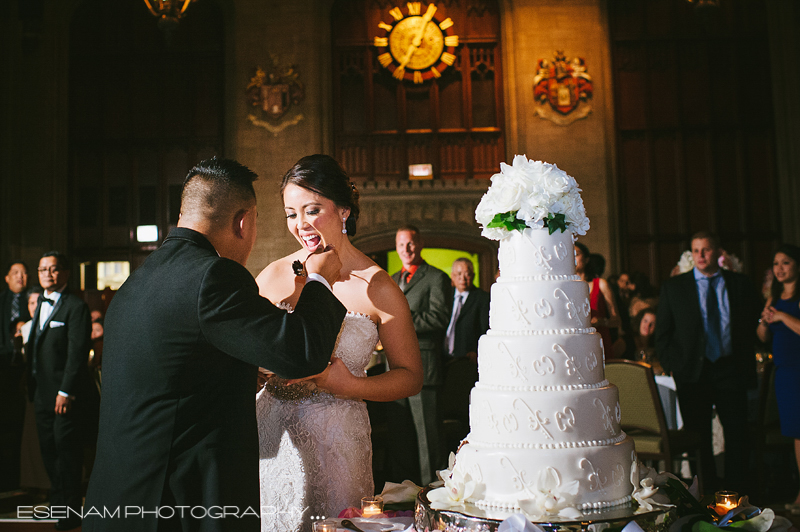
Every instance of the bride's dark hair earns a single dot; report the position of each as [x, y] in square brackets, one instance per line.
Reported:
[323, 175]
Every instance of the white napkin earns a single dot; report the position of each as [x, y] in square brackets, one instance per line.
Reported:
[394, 493]
[518, 523]
[632, 527]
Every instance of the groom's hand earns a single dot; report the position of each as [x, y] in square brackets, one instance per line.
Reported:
[326, 264]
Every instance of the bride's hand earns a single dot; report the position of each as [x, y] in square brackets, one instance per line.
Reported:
[336, 379]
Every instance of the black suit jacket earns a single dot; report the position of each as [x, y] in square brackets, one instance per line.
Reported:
[6, 332]
[430, 298]
[58, 354]
[183, 339]
[681, 338]
[472, 322]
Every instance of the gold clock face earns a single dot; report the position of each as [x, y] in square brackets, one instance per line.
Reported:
[416, 46]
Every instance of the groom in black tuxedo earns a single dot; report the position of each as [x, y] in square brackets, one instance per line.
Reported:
[184, 337]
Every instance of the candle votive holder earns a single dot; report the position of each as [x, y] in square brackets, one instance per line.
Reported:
[371, 506]
[324, 526]
[725, 501]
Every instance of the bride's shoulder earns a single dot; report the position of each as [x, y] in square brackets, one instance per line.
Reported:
[276, 271]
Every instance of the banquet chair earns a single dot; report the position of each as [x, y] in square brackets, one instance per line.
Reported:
[643, 418]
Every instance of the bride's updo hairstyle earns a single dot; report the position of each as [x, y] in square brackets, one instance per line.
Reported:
[323, 175]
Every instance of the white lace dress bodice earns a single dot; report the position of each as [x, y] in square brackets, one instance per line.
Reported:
[315, 448]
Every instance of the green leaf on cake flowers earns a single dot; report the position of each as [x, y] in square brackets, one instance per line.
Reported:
[554, 222]
[508, 221]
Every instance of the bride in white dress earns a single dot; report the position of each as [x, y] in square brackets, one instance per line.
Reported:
[314, 436]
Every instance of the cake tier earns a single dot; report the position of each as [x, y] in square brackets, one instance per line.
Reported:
[541, 420]
[541, 361]
[535, 252]
[506, 475]
[544, 306]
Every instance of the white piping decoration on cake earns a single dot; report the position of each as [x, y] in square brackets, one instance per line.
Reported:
[597, 481]
[576, 330]
[572, 309]
[518, 309]
[540, 277]
[586, 506]
[591, 361]
[516, 368]
[565, 421]
[519, 478]
[542, 308]
[573, 367]
[544, 365]
[540, 256]
[557, 388]
[606, 414]
[561, 250]
[562, 445]
[535, 419]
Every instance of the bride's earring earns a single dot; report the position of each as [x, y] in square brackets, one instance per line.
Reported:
[344, 226]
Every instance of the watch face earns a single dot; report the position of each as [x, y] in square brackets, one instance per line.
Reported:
[416, 46]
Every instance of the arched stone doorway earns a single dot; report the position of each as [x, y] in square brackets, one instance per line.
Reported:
[444, 211]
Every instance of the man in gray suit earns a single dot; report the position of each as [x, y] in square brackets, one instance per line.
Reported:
[428, 291]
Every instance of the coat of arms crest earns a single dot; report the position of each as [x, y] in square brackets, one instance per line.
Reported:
[562, 88]
[275, 90]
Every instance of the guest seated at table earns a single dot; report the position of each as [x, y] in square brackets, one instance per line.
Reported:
[643, 344]
[641, 293]
[780, 322]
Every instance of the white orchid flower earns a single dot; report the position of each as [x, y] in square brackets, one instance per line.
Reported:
[458, 487]
[551, 498]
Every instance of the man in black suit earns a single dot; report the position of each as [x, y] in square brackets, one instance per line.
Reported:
[13, 310]
[469, 320]
[60, 387]
[427, 290]
[705, 337]
[184, 337]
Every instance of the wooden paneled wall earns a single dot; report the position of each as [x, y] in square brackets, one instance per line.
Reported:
[695, 131]
[143, 110]
[454, 122]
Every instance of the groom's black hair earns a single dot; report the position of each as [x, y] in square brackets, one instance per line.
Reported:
[216, 188]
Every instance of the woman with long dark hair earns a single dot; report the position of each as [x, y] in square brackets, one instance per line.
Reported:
[314, 437]
[601, 300]
[780, 321]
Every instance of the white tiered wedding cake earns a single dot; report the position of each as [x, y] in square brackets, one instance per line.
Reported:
[545, 432]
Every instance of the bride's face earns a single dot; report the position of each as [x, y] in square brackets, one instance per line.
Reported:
[314, 220]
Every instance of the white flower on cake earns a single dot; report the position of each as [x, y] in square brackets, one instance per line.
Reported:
[646, 482]
[531, 194]
[457, 488]
[551, 498]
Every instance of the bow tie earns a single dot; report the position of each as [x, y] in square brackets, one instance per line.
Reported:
[48, 300]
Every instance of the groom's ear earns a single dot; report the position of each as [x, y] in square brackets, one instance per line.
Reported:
[240, 223]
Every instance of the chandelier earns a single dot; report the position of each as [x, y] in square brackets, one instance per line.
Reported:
[168, 12]
[704, 4]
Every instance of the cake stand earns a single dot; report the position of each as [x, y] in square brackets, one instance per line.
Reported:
[476, 519]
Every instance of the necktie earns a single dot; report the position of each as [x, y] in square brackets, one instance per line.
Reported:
[403, 280]
[713, 327]
[15, 308]
[48, 300]
[451, 329]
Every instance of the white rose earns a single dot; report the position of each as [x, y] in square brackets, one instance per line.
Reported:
[495, 233]
[507, 198]
[555, 181]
